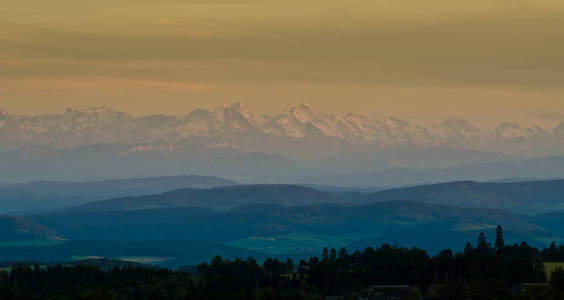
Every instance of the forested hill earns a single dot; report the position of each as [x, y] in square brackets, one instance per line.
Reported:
[519, 197]
[41, 196]
[217, 198]
[487, 270]
[532, 197]
[15, 229]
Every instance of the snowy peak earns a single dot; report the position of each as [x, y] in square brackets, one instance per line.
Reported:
[303, 113]
[237, 109]
[559, 129]
[3, 115]
[510, 130]
[458, 125]
[454, 128]
[237, 124]
[238, 118]
[513, 131]
[395, 123]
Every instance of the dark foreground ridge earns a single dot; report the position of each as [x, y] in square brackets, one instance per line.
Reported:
[482, 271]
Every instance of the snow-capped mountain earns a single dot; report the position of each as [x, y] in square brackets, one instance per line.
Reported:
[241, 128]
[512, 131]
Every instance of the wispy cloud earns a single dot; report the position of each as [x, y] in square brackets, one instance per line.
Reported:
[357, 47]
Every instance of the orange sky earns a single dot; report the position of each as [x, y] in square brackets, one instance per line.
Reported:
[486, 61]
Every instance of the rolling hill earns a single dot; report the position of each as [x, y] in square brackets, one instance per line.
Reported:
[165, 253]
[553, 222]
[52, 195]
[264, 220]
[531, 197]
[518, 197]
[17, 230]
[217, 198]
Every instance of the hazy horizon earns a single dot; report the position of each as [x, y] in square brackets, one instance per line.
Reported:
[485, 60]
[546, 124]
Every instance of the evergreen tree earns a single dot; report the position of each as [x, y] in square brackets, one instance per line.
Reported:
[333, 256]
[499, 241]
[557, 279]
[482, 245]
[325, 253]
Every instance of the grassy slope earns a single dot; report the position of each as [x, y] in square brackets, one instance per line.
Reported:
[172, 253]
[551, 266]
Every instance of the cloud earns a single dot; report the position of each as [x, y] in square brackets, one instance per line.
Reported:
[90, 83]
[352, 48]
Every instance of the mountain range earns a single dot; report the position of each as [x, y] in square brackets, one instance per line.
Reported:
[188, 224]
[267, 220]
[522, 198]
[216, 198]
[298, 145]
[236, 126]
[518, 197]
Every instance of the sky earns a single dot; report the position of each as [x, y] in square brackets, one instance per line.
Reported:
[422, 60]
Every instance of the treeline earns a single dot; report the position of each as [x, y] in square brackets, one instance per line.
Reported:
[391, 265]
[483, 271]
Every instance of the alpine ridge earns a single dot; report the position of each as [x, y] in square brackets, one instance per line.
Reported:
[238, 126]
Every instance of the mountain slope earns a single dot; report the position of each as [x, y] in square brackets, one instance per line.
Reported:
[522, 197]
[53, 195]
[196, 223]
[171, 254]
[217, 198]
[18, 229]
[552, 222]
[297, 145]
[108, 161]
[519, 197]
[238, 123]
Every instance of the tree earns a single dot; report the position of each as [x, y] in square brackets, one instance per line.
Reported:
[325, 254]
[333, 254]
[289, 265]
[557, 279]
[499, 242]
[553, 252]
[343, 254]
[468, 249]
[483, 245]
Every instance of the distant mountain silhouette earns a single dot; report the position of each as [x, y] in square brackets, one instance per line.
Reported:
[17, 229]
[237, 122]
[522, 197]
[296, 145]
[198, 223]
[217, 198]
[518, 197]
[53, 195]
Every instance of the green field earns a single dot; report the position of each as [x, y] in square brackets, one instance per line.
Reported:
[134, 259]
[551, 266]
[143, 259]
[295, 243]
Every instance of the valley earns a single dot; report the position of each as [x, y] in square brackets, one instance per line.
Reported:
[185, 225]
